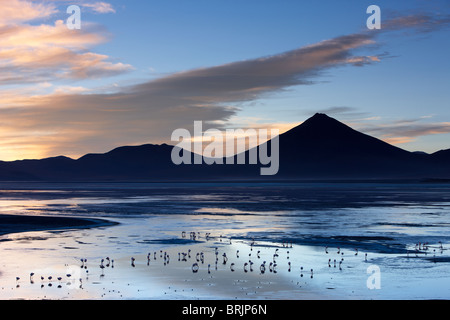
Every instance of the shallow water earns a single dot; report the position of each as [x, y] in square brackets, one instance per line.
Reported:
[384, 221]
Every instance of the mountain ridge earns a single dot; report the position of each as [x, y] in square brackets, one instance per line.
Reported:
[319, 148]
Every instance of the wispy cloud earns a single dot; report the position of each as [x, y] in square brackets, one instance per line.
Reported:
[419, 22]
[100, 7]
[403, 132]
[406, 130]
[343, 112]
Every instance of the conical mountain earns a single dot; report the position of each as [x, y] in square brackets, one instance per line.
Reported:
[323, 135]
[323, 147]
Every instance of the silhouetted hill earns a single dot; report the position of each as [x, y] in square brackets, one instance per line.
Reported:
[442, 156]
[319, 148]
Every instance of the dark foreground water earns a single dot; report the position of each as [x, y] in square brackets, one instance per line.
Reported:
[403, 228]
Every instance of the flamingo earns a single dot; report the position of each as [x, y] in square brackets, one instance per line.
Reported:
[262, 267]
[184, 256]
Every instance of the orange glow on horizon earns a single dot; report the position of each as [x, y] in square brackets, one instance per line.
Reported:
[22, 152]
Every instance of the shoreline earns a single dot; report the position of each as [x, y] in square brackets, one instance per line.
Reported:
[10, 224]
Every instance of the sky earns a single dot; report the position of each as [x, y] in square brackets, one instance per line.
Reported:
[137, 70]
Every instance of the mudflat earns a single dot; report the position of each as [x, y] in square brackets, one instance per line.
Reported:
[24, 223]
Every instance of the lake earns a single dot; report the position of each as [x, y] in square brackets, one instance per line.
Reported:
[252, 241]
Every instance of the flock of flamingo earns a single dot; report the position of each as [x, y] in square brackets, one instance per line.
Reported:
[250, 262]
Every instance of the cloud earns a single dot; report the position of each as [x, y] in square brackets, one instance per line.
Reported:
[398, 140]
[411, 130]
[344, 112]
[46, 52]
[17, 11]
[405, 130]
[100, 7]
[419, 22]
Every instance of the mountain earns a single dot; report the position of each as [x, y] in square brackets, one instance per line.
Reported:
[442, 156]
[123, 163]
[322, 147]
[319, 148]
